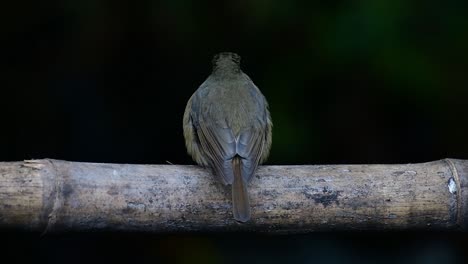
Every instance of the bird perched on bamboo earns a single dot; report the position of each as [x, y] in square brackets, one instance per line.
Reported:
[227, 127]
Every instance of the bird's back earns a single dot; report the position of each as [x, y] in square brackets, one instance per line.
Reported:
[236, 104]
[230, 117]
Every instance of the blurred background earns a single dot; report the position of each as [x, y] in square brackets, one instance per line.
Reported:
[347, 81]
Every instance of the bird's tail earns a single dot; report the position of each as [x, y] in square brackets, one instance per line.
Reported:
[240, 196]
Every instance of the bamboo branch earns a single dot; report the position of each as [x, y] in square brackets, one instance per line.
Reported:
[54, 195]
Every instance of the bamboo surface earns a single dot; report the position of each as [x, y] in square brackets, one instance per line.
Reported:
[56, 196]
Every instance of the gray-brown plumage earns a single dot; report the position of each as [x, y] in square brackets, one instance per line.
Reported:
[227, 127]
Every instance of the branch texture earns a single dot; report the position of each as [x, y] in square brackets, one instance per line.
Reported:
[53, 195]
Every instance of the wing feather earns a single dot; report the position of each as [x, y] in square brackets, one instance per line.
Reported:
[220, 145]
[250, 147]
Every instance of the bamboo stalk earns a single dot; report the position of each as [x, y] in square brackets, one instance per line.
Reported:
[53, 195]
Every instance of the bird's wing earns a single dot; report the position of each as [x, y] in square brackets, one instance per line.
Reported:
[250, 146]
[254, 143]
[219, 144]
[191, 138]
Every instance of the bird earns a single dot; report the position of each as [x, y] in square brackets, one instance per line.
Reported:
[227, 127]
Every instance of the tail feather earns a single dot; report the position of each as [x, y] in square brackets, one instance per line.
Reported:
[240, 196]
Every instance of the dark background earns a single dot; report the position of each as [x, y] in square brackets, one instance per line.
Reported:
[347, 81]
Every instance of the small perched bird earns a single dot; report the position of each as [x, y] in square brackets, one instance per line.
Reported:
[227, 127]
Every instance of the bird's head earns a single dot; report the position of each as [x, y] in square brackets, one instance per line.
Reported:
[226, 62]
